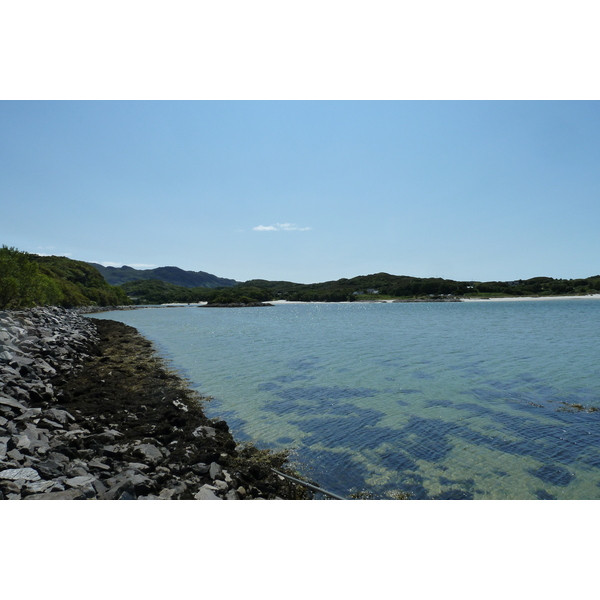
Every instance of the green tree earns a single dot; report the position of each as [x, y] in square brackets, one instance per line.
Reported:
[31, 280]
[21, 282]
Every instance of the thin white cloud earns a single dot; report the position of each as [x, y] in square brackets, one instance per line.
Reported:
[280, 227]
[265, 228]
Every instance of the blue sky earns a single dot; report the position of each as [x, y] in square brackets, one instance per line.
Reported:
[307, 191]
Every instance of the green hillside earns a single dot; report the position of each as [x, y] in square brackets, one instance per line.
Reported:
[30, 280]
[381, 285]
[154, 291]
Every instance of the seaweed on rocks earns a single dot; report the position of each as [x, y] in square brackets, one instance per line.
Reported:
[117, 424]
[576, 407]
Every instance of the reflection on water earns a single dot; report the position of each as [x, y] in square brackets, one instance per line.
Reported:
[445, 401]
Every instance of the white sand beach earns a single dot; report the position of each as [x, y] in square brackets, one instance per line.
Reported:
[532, 298]
[509, 299]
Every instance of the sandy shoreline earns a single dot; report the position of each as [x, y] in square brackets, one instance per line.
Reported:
[532, 298]
[507, 299]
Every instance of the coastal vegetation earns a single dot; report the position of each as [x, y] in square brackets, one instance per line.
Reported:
[154, 291]
[380, 286]
[28, 280]
[385, 286]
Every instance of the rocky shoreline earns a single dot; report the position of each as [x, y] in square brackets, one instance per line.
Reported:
[89, 411]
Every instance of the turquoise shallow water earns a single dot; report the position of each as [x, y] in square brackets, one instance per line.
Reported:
[445, 401]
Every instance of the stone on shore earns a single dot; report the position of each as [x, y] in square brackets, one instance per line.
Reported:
[27, 474]
[206, 492]
[72, 494]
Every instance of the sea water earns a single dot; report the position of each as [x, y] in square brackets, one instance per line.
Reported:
[471, 400]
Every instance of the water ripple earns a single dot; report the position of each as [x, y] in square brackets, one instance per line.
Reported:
[445, 401]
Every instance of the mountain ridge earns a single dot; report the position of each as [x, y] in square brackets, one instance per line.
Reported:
[169, 274]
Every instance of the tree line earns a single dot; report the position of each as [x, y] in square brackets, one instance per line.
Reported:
[31, 280]
[356, 289]
[154, 291]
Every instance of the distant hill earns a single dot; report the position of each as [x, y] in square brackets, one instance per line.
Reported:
[174, 275]
[171, 284]
[403, 286]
